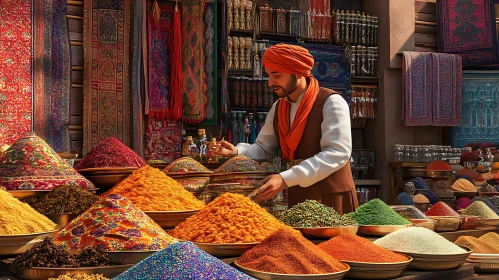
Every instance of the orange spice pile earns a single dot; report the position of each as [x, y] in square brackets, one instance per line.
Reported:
[230, 218]
[152, 190]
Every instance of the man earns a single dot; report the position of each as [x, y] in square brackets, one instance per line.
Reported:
[311, 127]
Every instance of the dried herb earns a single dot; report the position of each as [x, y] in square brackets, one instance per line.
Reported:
[75, 276]
[376, 212]
[92, 256]
[63, 200]
[314, 214]
[411, 212]
[479, 208]
[438, 165]
[45, 254]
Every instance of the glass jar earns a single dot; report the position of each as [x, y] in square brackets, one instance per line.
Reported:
[428, 156]
[407, 153]
[398, 153]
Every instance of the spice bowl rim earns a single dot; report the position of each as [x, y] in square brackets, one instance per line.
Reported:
[49, 272]
[375, 230]
[255, 273]
[29, 234]
[409, 259]
[108, 169]
[327, 232]
[438, 257]
[189, 174]
[459, 194]
[224, 249]
[171, 212]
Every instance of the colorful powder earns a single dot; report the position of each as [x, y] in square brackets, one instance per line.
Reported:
[240, 164]
[420, 183]
[182, 260]
[441, 209]
[311, 213]
[405, 199]
[463, 202]
[113, 224]
[480, 209]
[462, 185]
[477, 245]
[468, 172]
[185, 164]
[488, 201]
[376, 212]
[419, 198]
[438, 165]
[110, 152]
[410, 188]
[432, 197]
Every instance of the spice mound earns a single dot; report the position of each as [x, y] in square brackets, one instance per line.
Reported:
[418, 240]
[463, 202]
[405, 199]
[411, 212]
[432, 197]
[439, 165]
[110, 152]
[17, 217]
[75, 276]
[488, 201]
[441, 209]
[152, 190]
[472, 174]
[47, 254]
[376, 212]
[113, 224]
[63, 200]
[270, 168]
[185, 164]
[311, 214]
[420, 183]
[182, 260]
[31, 164]
[419, 198]
[477, 245]
[357, 249]
[286, 251]
[478, 208]
[491, 238]
[230, 218]
[240, 164]
[463, 185]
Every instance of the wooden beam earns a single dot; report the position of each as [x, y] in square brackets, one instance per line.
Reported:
[425, 7]
[425, 23]
[426, 17]
[76, 43]
[75, 67]
[76, 3]
[76, 85]
[74, 17]
[425, 29]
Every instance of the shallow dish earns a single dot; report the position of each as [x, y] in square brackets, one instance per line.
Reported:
[484, 263]
[128, 257]
[487, 223]
[169, 219]
[488, 193]
[16, 249]
[275, 276]
[43, 273]
[446, 223]
[465, 194]
[23, 238]
[363, 270]
[380, 230]
[19, 194]
[107, 170]
[61, 219]
[327, 232]
[106, 181]
[227, 249]
[426, 223]
[437, 262]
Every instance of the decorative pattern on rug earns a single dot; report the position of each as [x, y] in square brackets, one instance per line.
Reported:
[106, 100]
[447, 86]
[468, 28]
[480, 104]
[194, 98]
[416, 81]
[16, 80]
[52, 98]
[163, 140]
[137, 112]
[211, 63]
[159, 37]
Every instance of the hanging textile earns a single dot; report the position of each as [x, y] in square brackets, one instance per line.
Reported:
[211, 63]
[480, 121]
[223, 52]
[16, 80]
[447, 86]
[163, 140]
[468, 28]
[106, 98]
[159, 37]
[193, 52]
[416, 81]
[52, 73]
[139, 7]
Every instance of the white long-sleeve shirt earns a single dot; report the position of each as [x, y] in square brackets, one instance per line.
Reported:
[336, 143]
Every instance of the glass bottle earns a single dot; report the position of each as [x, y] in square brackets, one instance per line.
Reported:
[398, 153]
[193, 150]
[203, 148]
[260, 122]
[185, 147]
[234, 124]
[252, 128]
[240, 127]
[211, 154]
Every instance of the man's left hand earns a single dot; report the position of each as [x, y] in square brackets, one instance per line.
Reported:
[273, 185]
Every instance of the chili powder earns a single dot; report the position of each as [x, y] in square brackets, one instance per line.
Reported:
[353, 248]
[439, 165]
[441, 209]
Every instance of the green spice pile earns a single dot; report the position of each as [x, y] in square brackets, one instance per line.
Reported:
[75, 276]
[418, 240]
[478, 208]
[376, 212]
[63, 200]
[411, 212]
[311, 214]
[46, 254]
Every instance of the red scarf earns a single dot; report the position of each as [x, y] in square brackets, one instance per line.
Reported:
[290, 138]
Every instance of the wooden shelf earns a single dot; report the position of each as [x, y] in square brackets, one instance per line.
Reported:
[367, 182]
[241, 33]
[241, 72]
[364, 80]
[250, 109]
[278, 37]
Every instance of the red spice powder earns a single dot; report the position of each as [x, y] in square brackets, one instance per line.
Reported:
[357, 249]
[439, 165]
[469, 172]
[441, 209]
[110, 152]
[286, 251]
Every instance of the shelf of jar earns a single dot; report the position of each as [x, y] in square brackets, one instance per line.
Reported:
[241, 72]
[257, 109]
[364, 80]
[241, 33]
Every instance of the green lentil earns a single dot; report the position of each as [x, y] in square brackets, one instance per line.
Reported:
[311, 213]
[479, 208]
[376, 212]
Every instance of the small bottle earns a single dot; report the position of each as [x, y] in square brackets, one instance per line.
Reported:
[211, 155]
[203, 148]
[193, 150]
[185, 147]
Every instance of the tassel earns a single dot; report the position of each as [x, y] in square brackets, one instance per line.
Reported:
[155, 11]
[176, 67]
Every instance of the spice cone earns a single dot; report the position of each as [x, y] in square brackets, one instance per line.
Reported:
[240, 164]
[185, 164]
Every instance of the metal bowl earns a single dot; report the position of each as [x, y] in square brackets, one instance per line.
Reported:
[488, 193]
[469, 222]
[327, 232]
[61, 219]
[363, 270]
[169, 219]
[227, 249]
[20, 194]
[487, 223]
[380, 230]
[106, 181]
[426, 223]
[439, 174]
[437, 262]
[107, 170]
[43, 273]
[484, 263]
[194, 184]
[16, 249]
[446, 223]
[128, 257]
[23, 238]
[275, 276]
[465, 194]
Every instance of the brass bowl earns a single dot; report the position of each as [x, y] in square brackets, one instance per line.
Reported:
[436, 262]
[106, 178]
[380, 230]
[20, 194]
[327, 232]
[128, 257]
[169, 219]
[276, 276]
[446, 223]
[363, 270]
[487, 223]
[439, 174]
[43, 273]
[23, 238]
[469, 222]
[194, 184]
[426, 223]
[465, 194]
[61, 219]
[226, 249]
[16, 249]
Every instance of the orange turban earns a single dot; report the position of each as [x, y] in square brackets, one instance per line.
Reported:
[290, 59]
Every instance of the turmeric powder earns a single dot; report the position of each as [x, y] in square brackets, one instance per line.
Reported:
[17, 217]
[230, 218]
[152, 190]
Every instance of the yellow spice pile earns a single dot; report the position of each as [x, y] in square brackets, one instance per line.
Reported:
[231, 218]
[152, 190]
[75, 276]
[17, 217]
